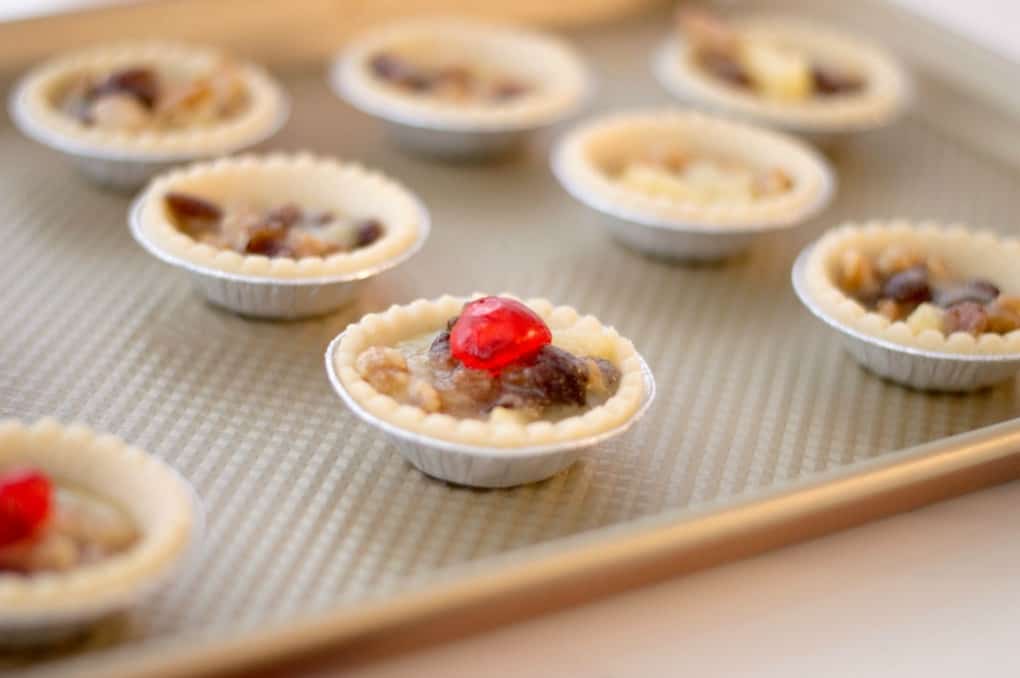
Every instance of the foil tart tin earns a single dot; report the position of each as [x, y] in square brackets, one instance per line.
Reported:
[477, 465]
[124, 171]
[906, 365]
[678, 237]
[275, 298]
[71, 603]
[460, 134]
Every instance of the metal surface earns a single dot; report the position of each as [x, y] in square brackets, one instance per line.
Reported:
[315, 522]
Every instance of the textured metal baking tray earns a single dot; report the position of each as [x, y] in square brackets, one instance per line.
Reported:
[764, 430]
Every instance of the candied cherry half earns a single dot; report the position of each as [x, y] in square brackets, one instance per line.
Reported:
[493, 332]
[25, 503]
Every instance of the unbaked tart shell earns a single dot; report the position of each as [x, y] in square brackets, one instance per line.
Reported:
[33, 105]
[581, 335]
[312, 183]
[888, 89]
[160, 504]
[967, 253]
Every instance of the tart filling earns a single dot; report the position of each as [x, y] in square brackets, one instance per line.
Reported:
[45, 527]
[693, 171]
[762, 66]
[140, 97]
[282, 231]
[452, 81]
[944, 289]
[791, 73]
[703, 179]
[460, 74]
[280, 216]
[87, 523]
[148, 100]
[493, 371]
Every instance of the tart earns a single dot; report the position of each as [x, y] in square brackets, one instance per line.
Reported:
[148, 101]
[461, 75]
[87, 524]
[281, 217]
[927, 287]
[687, 185]
[51, 527]
[491, 371]
[279, 236]
[785, 72]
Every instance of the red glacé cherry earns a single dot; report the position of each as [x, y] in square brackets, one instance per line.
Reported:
[25, 502]
[493, 332]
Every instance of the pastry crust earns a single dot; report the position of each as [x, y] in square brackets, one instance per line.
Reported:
[969, 253]
[584, 154]
[579, 334]
[159, 503]
[39, 116]
[887, 92]
[311, 182]
[561, 78]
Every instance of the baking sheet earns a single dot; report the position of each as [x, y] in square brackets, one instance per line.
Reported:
[311, 512]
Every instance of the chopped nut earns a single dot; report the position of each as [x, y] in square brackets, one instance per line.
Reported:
[119, 111]
[856, 274]
[385, 369]
[895, 258]
[507, 415]
[1002, 319]
[772, 182]
[603, 376]
[142, 84]
[937, 268]
[422, 394]
[925, 317]
[891, 309]
[1008, 302]
[966, 317]
[777, 72]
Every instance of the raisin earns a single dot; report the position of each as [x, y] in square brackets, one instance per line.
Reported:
[966, 317]
[141, 83]
[725, 68]
[388, 66]
[552, 377]
[284, 216]
[393, 69]
[509, 89]
[184, 206]
[267, 240]
[909, 286]
[439, 351]
[830, 81]
[192, 214]
[368, 232]
[979, 291]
